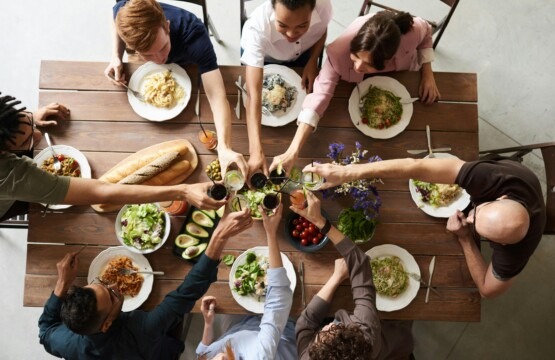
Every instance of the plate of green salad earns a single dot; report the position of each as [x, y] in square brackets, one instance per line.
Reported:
[391, 266]
[142, 228]
[248, 278]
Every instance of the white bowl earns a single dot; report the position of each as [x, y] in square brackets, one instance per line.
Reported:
[167, 228]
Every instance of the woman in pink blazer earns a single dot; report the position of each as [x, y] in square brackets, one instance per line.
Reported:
[374, 43]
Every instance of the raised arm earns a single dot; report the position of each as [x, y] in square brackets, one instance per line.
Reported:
[254, 78]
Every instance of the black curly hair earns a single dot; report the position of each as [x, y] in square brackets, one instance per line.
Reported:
[295, 4]
[381, 35]
[9, 120]
[79, 312]
[340, 342]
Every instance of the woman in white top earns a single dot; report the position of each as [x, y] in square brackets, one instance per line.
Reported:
[285, 32]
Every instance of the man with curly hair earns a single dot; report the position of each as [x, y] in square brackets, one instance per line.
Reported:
[355, 336]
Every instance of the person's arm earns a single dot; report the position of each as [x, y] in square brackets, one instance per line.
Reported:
[115, 67]
[287, 159]
[90, 191]
[482, 274]
[427, 89]
[310, 71]
[215, 91]
[442, 171]
[254, 78]
[207, 308]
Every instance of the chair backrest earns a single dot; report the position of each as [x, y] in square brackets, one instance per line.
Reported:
[438, 27]
[548, 154]
[202, 4]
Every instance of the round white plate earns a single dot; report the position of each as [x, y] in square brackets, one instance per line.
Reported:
[101, 260]
[385, 83]
[250, 302]
[152, 112]
[281, 118]
[460, 203]
[386, 303]
[67, 150]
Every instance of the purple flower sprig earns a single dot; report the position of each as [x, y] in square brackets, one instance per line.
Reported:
[363, 191]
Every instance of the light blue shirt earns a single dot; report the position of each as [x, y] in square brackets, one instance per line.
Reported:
[269, 337]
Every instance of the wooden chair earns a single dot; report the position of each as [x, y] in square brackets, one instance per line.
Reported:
[437, 27]
[548, 153]
[18, 222]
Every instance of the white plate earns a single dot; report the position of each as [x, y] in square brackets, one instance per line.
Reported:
[387, 303]
[250, 302]
[460, 203]
[385, 83]
[281, 118]
[101, 260]
[152, 112]
[67, 150]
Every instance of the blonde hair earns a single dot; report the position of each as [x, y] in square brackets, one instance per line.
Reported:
[137, 23]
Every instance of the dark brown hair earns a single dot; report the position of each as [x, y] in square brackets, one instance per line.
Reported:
[340, 342]
[79, 312]
[381, 36]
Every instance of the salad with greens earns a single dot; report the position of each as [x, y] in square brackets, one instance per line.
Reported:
[142, 226]
[437, 194]
[355, 225]
[250, 277]
[255, 198]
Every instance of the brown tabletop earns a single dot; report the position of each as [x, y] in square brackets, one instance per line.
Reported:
[106, 130]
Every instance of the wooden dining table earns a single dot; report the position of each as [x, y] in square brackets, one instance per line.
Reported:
[104, 127]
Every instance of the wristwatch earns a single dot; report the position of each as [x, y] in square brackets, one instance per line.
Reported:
[326, 228]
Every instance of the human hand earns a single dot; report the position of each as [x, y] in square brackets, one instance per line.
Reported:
[197, 195]
[257, 161]
[228, 156]
[53, 110]
[340, 270]
[310, 72]
[427, 89]
[114, 72]
[287, 161]
[233, 223]
[312, 212]
[457, 225]
[334, 175]
[67, 271]
[271, 222]
[207, 308]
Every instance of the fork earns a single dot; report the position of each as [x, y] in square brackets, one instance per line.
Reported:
[135, 93]
[419, 279]
[131, 272]
[57, 164]
[431, 155]
[265, 111]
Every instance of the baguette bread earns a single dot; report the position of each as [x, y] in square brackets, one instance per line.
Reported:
[149, 171]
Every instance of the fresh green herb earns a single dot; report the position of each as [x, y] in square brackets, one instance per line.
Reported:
[228, 259]
[355, 225]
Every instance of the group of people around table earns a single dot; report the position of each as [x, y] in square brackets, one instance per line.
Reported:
[86, 322]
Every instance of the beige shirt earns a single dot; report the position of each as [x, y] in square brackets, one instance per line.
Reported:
[21, 179]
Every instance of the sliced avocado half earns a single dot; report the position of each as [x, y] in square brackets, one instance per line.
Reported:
[184, 241]
[210, 213]
[196, 231]
[220, 211]
[194, 251]
[201, 219]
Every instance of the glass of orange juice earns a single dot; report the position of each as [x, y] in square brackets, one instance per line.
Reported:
[298, 198]
[208, 138]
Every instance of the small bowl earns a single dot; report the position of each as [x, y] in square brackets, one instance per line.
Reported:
[297, 242]
[167, 228]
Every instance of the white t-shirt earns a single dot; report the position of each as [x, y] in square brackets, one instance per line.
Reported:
[261, 42]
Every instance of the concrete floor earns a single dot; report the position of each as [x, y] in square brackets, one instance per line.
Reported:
[506, 42]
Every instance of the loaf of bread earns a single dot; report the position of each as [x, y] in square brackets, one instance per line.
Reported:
[151, 170]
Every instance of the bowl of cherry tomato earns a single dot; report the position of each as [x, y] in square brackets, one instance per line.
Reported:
[303, 234]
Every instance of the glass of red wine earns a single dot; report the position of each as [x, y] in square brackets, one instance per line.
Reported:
[217, 192]
[271, 201]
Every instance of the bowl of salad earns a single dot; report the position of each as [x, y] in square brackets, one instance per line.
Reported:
[142, 228]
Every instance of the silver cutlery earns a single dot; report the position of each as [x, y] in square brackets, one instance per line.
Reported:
[410, 100]
[238, 106]
[301, 275]
[131, 272]
[135, 93]
[57, 164]
[431, 155]
[197, 109]
[416, 152]
[419, 279]
[431, 271]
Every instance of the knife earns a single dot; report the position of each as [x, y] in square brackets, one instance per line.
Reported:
[416, 152]
[238, 106]
[409, 101]
[301, 275]
[431, 271]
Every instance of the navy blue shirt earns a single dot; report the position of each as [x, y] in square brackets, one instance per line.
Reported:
[133, 335]
[190, 42]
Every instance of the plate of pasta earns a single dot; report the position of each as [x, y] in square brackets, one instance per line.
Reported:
[282, 95]
[438, 200]
[74, 164]
[166, 89]
[135, 287]
[391, 266]
[380, 114]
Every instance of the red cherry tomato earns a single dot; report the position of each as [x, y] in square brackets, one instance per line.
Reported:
[319, 236]
[315, 240]
[299, 227]
[364, 120]
[61, 157]
[305, 224]
[304, 242]
[311, 229]
[295, 233]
